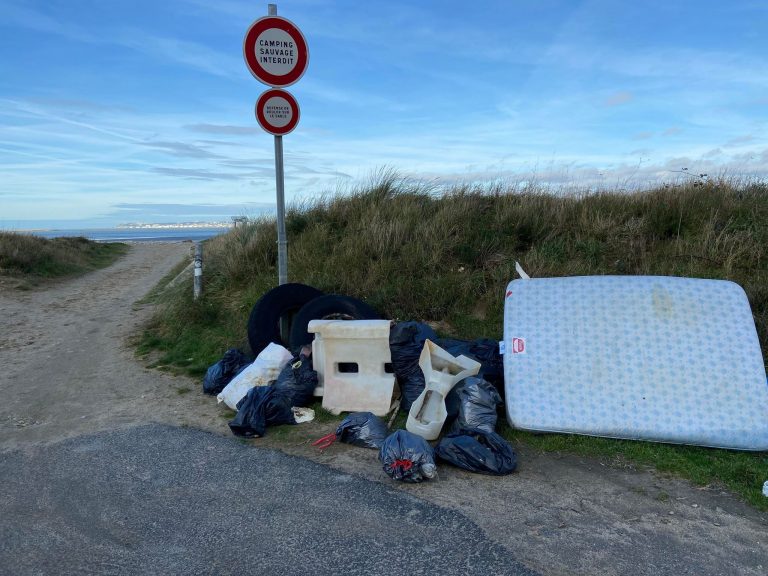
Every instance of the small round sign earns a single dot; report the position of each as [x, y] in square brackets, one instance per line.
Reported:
[275, 51]
[277, 112]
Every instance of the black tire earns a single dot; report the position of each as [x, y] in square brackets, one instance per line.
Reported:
[264, 321]
[330, 306]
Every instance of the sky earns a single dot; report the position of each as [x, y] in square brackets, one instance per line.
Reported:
[143, 111]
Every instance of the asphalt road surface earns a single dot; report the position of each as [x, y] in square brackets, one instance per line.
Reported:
[159, 499]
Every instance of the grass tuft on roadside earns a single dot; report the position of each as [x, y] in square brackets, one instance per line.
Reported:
[32, 258]
[415, 252]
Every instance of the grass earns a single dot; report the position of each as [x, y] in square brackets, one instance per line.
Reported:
[31, 258]
[418, 253]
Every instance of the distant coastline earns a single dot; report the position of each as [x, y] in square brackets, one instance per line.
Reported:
[141, 233]
[173, 225]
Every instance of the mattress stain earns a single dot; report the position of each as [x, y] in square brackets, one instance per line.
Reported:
[663, 303]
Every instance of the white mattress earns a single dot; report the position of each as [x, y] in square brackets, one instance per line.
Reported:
[639, 357]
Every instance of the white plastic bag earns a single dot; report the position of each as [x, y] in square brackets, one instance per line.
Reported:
[264, 369]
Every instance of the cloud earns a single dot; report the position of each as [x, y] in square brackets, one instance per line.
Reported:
[178, 210]
[31, 19]
[197, 173]
[80, 105]
[565, 177]
[619, 98]
[248, 162]
[182, 149]
[349, 97]
[190, 54]
[739, 140]
[680, 64]
[672, 131]
[224, 129]
[642, 135]
[22, 108]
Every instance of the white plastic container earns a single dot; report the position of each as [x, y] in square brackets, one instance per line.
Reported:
[351, 359]
[441, 373]
[264, 369]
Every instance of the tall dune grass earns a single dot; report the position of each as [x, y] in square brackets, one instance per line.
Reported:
[33, 257]
[413, 253]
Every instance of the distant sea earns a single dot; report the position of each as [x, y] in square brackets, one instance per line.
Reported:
[135, 234]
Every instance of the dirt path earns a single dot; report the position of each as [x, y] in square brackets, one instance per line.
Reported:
[67, 370]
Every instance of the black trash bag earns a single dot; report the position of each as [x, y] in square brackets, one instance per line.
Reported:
[263, 406]
[298, 381]
[406, 341]
[362, 429]
[407, 457]
[219, 375]
[485, 351]
[474, 401]
[478, 451]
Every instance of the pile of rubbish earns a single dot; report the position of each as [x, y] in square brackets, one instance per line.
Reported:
[573, 371]
[273, 389]
[370, 368]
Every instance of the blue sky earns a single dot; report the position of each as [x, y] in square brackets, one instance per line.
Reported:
[115, 112]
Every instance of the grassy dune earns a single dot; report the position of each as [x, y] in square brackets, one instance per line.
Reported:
[31, 258]
[414, 254]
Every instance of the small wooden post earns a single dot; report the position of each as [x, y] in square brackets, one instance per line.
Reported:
[198, 282]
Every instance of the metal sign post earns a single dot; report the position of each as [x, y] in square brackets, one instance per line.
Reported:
[276, 53]
[282, 240]
[278, 113]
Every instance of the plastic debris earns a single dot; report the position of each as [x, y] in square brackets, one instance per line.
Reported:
[363, 429]
[325, 442]
[442, 371]
[301, 414]
[219, 375]
[476, 401]
[765, 489]
[483, 350]
[262, 406]
[406, 341]
[407, 457]
[298, 380]
[264, 369]
[478, 451]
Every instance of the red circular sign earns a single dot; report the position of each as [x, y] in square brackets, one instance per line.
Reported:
[277, 112]
[275, 51]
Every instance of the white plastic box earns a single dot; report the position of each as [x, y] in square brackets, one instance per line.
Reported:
[351, 359]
